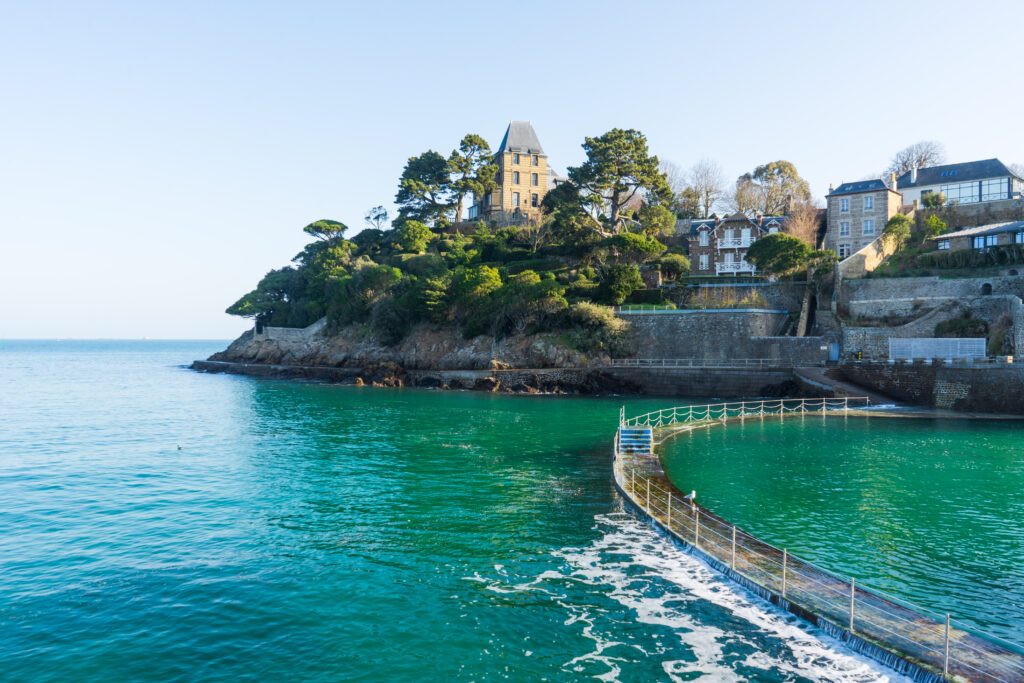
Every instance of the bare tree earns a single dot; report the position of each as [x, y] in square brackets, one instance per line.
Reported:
[918, 155]
[707, 181]
[675, 175]
[1017, 169]
[804, 222]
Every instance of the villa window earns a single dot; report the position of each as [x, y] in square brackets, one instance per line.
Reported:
[844, 205]
[536, 160]
[704, 260]
[534, 199]
[998, 188]
[869, 203]
[844, 229]
[703, 239]
[844, 250]
[515, 177]
[515, 158]
[515, 199]
[535, 179]
[1019, 238]
[943, 245]
[869, 227]
[985, 241]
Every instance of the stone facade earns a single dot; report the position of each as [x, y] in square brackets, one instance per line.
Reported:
[719, 246]
[857, 214]
[523, 179]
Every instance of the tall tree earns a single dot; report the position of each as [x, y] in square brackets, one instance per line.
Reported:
[472, 170]
[326, 230]
[618, 167]
[707, 182]
[918, 155]
[770, 189]
[423, 190]
[377, 217]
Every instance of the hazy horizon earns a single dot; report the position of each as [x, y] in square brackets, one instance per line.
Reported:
[157, 160]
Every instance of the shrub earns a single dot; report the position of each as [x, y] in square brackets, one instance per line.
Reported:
[674, 266]
[621, 281]
[647, 296]
[597, 328]
[897, 231]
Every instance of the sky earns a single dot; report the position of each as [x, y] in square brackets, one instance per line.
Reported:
[158, 158]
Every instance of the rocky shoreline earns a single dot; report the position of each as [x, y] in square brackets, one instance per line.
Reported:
[558, 381]
[429, 357]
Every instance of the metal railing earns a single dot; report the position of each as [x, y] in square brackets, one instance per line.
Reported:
[934, 642]
[703, 363]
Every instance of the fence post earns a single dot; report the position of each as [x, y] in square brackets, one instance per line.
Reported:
[945, 663]
[732, 562]
[852, 591]
[670, 511]
[696, 527]
[632, 488]
[647, 500]
[785, 567]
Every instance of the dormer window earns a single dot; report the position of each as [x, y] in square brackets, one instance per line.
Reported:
[702, 239]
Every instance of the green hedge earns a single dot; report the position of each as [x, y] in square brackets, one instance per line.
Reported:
[1005, 255]
[646, 296]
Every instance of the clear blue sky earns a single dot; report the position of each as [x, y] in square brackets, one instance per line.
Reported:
[156, 159]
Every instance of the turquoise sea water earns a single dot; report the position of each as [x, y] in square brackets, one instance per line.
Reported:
[929, 510]
[161, 524]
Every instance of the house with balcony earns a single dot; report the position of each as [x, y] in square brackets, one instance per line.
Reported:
[718, 246]
[972, 182]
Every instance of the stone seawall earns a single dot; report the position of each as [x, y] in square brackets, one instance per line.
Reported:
[982, 389]
[709, 382]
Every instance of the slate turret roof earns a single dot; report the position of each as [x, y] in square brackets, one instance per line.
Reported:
[520, 137]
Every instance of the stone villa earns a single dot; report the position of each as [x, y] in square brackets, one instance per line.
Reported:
[857, 214]
[523, 179]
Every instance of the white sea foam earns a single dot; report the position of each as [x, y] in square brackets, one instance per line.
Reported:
[662, 586]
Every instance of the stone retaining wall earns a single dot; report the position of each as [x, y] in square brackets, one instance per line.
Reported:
[902, 296]
[873, 342]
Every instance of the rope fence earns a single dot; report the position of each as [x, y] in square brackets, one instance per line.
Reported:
[936, 643]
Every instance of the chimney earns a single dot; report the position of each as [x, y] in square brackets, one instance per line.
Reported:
[892, 180]
[759, 219]
[831, 188]
[913, 175]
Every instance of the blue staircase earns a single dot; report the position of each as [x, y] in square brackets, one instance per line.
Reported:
[636, 440]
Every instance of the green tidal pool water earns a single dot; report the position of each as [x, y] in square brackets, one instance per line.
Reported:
[931, 511]
[161, 524]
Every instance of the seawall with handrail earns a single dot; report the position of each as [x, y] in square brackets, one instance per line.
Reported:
[905, 637]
